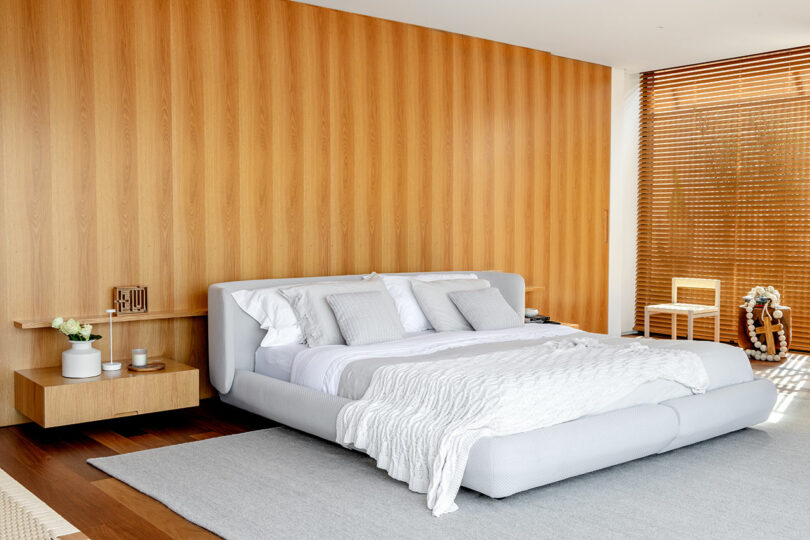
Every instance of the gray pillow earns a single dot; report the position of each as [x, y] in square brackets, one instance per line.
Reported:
[486, 309]
[436, 304]
[366, 317]
[316, 318]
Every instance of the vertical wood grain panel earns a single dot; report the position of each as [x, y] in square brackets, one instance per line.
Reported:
[175, 143]
[254, 134]
[188, 155]
[316, 141]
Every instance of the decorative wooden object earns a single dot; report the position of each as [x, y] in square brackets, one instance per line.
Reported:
[130, 300]
[768, 328]
[151, 366]
[49, 399]
[337, 144]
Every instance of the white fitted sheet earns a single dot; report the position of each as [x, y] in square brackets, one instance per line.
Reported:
[277, 361]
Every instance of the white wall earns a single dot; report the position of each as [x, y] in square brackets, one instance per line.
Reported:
[623, 198]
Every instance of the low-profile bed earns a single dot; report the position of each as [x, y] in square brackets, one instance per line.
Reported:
[306, 388]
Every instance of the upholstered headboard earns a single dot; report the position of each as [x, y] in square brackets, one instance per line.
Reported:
[234, 336]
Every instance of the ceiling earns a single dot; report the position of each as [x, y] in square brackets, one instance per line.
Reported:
[635, 35]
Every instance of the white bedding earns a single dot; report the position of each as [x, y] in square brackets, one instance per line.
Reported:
[320, 368]
[420, 420]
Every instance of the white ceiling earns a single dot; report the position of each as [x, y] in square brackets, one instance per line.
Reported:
[635, 35]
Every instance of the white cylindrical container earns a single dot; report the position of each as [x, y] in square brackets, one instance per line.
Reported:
[138, 357]
[81, 360]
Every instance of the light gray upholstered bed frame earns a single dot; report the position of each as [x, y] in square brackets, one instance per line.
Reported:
[497, 466]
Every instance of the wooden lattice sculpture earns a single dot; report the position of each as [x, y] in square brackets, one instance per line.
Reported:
[130, 300]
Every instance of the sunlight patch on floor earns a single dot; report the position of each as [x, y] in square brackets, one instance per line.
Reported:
[790, 378]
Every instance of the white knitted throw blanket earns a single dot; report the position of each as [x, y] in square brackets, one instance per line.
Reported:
[420, 420]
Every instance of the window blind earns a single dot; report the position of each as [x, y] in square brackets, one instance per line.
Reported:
[724, 185]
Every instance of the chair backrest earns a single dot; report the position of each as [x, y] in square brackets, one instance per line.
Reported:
[695, 283]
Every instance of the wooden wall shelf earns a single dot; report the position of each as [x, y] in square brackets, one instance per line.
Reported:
[97, 319]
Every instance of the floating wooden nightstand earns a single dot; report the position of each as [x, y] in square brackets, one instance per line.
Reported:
[50, 400]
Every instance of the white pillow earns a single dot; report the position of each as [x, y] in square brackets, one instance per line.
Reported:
[273, 313]
[401, 290]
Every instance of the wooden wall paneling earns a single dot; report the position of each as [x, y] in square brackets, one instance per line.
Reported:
[341, 203]
[539, 209]
[413, 141]
[461, 233]
[316, 143]
[7, 340]
[188, 156]
[364, 237]
[153, 139]
[220, 184]
[501, 197]
[291, 191]
[70, 68]
[176, 143]
[391, 168]
[520, 219]
[439, 175]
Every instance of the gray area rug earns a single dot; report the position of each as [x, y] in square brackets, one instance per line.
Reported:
[278, 483]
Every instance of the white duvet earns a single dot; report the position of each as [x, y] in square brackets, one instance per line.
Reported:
[420, 420]
[320, 368]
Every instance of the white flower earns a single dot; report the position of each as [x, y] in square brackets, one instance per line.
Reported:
[85, 330]
[57, 322]
[70, 327]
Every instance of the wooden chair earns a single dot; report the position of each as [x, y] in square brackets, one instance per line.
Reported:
[692, 311]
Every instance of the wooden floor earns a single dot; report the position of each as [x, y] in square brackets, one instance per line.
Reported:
[52, 463]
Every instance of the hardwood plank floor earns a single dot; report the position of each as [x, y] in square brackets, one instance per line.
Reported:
[52, 463]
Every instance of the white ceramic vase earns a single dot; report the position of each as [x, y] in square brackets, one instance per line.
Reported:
[81, 360]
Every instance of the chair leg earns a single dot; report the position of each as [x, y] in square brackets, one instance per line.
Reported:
[646, 322]
[690, 325]
[717, 328]
[674, 326]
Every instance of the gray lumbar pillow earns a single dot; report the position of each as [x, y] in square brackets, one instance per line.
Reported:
[366, 317]
[486, 309]
[314, 314]
[436, 304]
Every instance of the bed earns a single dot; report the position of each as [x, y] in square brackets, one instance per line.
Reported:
[305, 389]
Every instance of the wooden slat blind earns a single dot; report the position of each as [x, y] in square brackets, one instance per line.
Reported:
[724, 184]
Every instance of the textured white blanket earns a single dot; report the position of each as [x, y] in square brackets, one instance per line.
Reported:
[420, 420]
